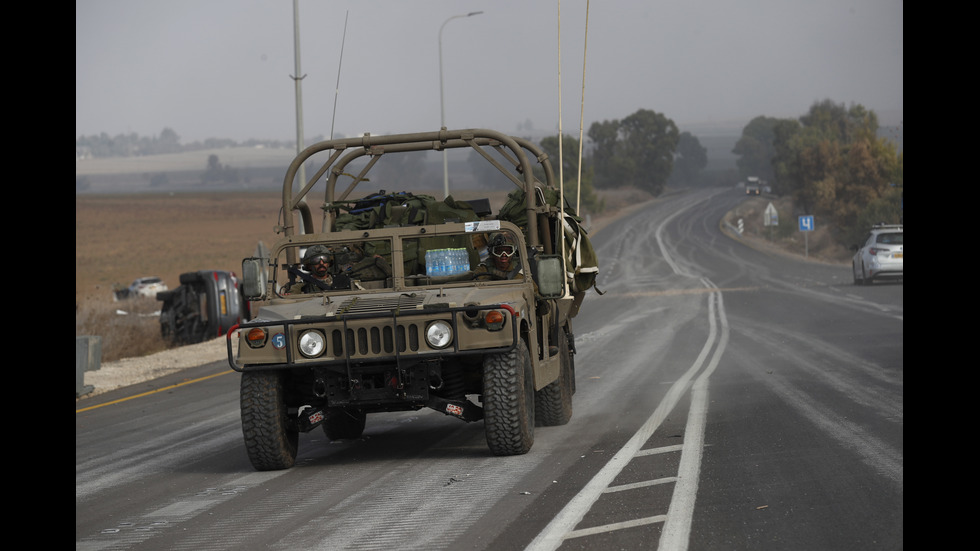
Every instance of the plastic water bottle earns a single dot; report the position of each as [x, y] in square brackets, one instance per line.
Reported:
[430, 263]
[438, 262]
[449, 266]
[450, 262]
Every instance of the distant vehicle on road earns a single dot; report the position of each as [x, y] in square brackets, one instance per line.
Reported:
[141, 287]
[752, 189]
[882, 255]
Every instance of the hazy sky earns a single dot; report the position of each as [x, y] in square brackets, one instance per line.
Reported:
[223, 68]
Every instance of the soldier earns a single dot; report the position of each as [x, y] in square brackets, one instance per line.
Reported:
[317, 262]
[504, 263]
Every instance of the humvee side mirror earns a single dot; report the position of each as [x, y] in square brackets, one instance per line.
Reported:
[254, 278]
[549, 274]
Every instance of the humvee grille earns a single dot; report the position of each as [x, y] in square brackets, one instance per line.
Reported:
[372, 341]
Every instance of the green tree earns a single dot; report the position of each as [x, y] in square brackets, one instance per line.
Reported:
[636, 151]
[689, 160]
[755, 149]
[606, 151]
[218, 173]
[588, 200]
[835, 165]
[649, 141]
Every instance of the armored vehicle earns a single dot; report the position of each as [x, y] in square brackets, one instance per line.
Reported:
[396, 302]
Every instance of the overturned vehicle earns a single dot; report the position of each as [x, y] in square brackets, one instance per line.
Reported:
[205, 306]
[400, 302]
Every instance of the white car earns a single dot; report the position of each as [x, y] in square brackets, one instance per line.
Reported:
[142, 287]
[881, 256]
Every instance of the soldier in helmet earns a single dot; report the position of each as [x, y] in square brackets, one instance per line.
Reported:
[503, 262]
[316, 261]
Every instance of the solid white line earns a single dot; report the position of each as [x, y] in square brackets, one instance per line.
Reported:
[676, 533]
[565, 521]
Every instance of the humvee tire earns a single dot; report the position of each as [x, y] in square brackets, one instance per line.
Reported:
[508, 401]
[553, 403]
[344, 425]
[269, 440]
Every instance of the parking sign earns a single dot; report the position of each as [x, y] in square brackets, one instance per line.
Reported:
[806, 223]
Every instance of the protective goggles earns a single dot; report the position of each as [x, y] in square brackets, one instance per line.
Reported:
[503, 251]
[319, 259]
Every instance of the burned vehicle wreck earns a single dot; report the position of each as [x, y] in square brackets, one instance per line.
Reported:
[399, 302]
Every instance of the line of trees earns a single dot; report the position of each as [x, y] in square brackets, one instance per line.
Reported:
[644, 150]
[832, 162]
[131, 145]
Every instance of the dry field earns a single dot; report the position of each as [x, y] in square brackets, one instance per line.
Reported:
[121, 237]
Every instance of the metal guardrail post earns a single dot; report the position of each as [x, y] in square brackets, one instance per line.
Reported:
[88, 357]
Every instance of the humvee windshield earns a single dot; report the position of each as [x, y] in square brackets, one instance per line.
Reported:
[396, 262]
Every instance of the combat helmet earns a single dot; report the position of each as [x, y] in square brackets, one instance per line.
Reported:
[316, 251]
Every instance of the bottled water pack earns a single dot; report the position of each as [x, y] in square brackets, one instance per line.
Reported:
[446, 262]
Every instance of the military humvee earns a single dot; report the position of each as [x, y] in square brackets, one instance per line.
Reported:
[393, 332]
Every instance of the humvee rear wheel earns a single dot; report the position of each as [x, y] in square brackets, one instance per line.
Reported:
[553, 403]
[269, 440]
[508, 401]
[344, 424]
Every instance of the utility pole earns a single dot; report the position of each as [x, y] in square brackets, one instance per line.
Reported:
[299, 104]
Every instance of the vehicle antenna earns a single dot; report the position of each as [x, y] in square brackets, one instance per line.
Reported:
[337, 89]
[581, 120]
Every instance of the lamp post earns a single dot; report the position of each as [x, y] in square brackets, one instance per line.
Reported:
[442, 103]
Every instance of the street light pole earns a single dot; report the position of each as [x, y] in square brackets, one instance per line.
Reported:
[442, 103]
[299, 106]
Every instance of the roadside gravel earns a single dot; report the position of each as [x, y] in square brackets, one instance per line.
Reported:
[131, 371]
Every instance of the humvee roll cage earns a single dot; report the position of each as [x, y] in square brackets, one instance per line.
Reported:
[512, 149]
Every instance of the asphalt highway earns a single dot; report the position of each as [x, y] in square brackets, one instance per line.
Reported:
[726, 399]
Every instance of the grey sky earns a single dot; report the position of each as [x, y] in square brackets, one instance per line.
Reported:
[221, 68]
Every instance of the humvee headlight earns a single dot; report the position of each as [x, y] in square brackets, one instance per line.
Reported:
[439, 334]
[311, 343]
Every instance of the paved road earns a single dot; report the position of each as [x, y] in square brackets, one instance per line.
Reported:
[726, 399]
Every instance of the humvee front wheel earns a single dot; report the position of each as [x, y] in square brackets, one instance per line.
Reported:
[269, 440]
[508, 401]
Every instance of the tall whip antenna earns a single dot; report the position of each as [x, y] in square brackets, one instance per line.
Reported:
[561, 163]
[581, 122]
[337, 89]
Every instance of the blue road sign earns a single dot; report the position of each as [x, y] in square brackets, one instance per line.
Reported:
[806, 223]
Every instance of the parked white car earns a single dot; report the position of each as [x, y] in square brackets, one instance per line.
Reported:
[882, 255]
